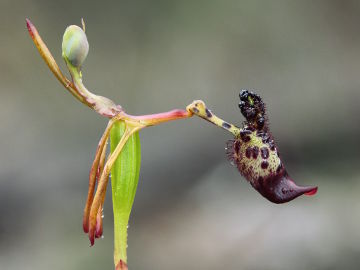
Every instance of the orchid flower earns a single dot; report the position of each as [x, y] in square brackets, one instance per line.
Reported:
[252, 150]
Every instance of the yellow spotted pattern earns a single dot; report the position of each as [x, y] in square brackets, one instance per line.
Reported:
[251, 167]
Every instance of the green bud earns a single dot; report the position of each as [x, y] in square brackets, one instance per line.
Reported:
[75, 46]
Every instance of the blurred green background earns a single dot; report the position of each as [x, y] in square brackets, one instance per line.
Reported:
[193, 210]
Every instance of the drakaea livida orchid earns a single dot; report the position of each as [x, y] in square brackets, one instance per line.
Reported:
[252, 149]
[254, 152]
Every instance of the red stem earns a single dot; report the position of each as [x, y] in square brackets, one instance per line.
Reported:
[157, 118]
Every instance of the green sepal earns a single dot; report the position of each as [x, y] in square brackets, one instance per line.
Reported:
[124, 181]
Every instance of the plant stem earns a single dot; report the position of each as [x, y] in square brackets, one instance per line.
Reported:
[199, 108]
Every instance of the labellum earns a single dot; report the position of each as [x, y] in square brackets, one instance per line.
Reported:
[256, 156]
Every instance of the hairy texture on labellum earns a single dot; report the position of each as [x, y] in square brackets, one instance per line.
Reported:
[256, 155]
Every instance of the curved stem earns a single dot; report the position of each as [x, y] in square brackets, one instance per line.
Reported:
[158, 118]
[107, 107]
[50, 61]
[100, 104]
[199, 108]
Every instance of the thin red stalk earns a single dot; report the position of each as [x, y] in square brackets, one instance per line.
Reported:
[154, 119]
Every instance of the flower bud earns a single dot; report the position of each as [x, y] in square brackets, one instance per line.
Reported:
[75, 46]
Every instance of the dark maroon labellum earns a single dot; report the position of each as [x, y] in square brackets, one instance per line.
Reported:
[280, 188]
[256, 156]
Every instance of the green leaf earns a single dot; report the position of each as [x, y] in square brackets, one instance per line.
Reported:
[124, 181]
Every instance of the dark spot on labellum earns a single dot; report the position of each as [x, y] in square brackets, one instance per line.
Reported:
[264, 152]
[237, 146]
[266, 138]
[208, 113]
[245, 132]
[195, 109]
[260, 122]
[248, 152]
[226, 125]
[251, 128]
[279, 168]
[255, 152]
[272, 145]
[264, 164]
[244, 135]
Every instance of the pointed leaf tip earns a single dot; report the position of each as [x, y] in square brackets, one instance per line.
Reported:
[30, 27]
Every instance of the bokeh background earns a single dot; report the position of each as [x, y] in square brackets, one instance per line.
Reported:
[193, 210]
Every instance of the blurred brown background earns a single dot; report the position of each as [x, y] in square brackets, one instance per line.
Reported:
[193, 210]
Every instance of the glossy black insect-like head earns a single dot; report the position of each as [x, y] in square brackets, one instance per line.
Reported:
[252, 108]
